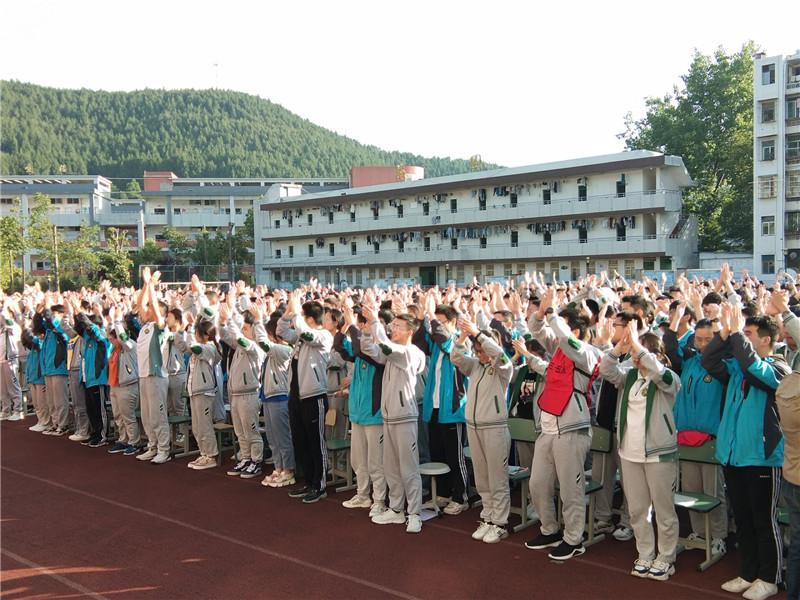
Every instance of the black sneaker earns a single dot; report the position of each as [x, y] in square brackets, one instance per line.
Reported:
[97, 443]
[299, 491]
[544, 541]
[565, 551]
[253, 470]
[314, 496]
[117, 448]
[239, 468]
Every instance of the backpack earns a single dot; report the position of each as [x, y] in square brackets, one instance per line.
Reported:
[560, 384]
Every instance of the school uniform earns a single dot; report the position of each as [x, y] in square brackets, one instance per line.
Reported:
[96, 352]
[487, 425]
[123, 379]
[176, 372]
[10, 391]
[151, 354]
[77, 389]
[648, 450]
[34, 375]
[55, 345]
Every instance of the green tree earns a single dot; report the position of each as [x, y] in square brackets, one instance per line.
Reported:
[116, 260]
[148, 254]
[39, 232]
[79, 258]
[178, 244]
[132, 190]
[12, 246]
[709, 122]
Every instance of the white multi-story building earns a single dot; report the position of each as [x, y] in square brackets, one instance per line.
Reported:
[776, 164]
[188, 204]
[615, 212]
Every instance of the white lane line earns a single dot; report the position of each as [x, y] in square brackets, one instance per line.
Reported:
[45, 571]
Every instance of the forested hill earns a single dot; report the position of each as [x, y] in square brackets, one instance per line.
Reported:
[194, 133]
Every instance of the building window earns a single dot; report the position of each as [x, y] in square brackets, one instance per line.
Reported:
[514, 239]
[56, 201]
[376, 247]
[582, 232]
[768, 264]
[481, 203]
[399, 211]
[195, 202]
[767, 74]
[396, 273]
[483, 242]
[520, 268]
[371, 273]
[291, 251]
[426, 244]
[507, 270]
[490, 270]
[278, 253]
[359, 277]
[276, 275]
[793, 184]
[476, 273]
[621, 186]
[768, 225]
[453, 205]
[331, 250]
[73, 201]
[352, 217]
[513, 200]
[226, 211]
[582, 193]
[553, 269]
[426, 209]
[376, 212]
[546, 196]
[793, 108]
[454, 243]
[353, 248]
[793, 223]
[665, 263]
[768, 111]
[382, 273]
[159, 211]
[277, 223]
[208, 202]
[767, 187]
[310, 218]
[401, 246]
[540, 267]
[768, 150]
[629, 266]
[460, 273]
[330, 218]
[793, 147]
[291, 221]
[311, 249]
[407, 272]
[649, 264]
[613, 265]
[547, 238]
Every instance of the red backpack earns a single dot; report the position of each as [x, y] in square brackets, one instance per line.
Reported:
[559, 384]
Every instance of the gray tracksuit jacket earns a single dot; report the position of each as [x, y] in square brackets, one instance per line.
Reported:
[275, 370]
[487, 392]
[404, 364]
[312, 349]
[128, 363]
[201, 378]
[245, 367]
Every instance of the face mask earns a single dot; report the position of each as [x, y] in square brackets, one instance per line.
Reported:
[56, 321]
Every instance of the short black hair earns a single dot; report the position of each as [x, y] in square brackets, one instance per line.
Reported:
[410, 320]
[712, 298]
[448, 311]
[636, 301]
[580, 323]
[177, 313]
[626, 317]
[703, 323]
[314, 311]
[767, 326]
[337, 317]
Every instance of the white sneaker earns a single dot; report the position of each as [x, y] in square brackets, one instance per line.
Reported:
[760, 590]
[737, 586]
[495, 534]
[150, 454]
[357, 502]
[38, 428]
[414, 524]
[377, 509]
[693, 537]
[481, 531]
[603, 527]
[441, 502]
[195, 462]
[389, 517]
[4, 416]
[205, 462]
[283, 480]
[76, 437]
[16, 417]
[623, 534]
[160, 458]
[454, 508]
[719, 547]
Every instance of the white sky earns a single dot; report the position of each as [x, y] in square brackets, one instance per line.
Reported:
[516, 82]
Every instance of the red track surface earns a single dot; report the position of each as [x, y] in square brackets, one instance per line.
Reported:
[78, 522]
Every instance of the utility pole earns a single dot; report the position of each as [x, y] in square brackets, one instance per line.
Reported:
[55, 256]
[11, 266]
[231, 274]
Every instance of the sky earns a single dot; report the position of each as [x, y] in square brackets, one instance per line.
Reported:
[517, 83]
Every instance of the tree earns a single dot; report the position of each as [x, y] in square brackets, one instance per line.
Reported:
[179, 247]
[132, 190]
[79, 259]
[39, 232]
[116, 260]
[148, 254]
[12, 246]
[709, 122]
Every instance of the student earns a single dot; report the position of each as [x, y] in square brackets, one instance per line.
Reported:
[96, 351]
[750, 445]
[648, 446]
[243, 388]
[308, 399]
[403, 364]
[123, 380]
[697, 415]
[10, 392]
[34, 374]
[333, 321]
[364, 407]
[443, 406]
[487, 424]
[275, 398]
[202, 384]
[176, 366]
[77, 388]
[151, 352]
[56, 343]
[565, 424]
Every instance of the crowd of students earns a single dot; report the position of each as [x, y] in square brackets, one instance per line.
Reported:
[414, 375]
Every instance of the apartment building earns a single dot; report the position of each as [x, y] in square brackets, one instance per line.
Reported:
[776, 164]
[615, 212]
[188, 204]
